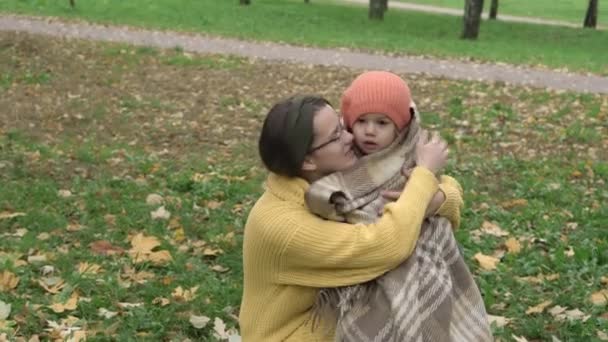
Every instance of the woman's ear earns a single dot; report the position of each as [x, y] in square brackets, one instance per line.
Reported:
[309, 165]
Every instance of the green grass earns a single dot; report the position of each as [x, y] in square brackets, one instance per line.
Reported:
[187, 132]
[564, 10]
[335, 25]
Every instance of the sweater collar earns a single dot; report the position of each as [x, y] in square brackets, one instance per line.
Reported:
[291, 189]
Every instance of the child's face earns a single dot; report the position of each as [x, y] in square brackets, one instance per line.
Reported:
[374, 132]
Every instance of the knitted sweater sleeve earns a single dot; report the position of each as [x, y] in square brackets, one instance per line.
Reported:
[322, 253]
[450, 208]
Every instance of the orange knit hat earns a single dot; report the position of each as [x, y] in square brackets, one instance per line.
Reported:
[378, 92]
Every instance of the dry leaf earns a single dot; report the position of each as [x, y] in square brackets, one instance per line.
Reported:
[43, 236]
[556, 310]
[161, 301]
[8, 281]
[212, 252]
[513, 246]
[154, 199]
[77, 336]
[539, 278]
[219, 327]
[160, 214]
[5, 310]
[575, 315]
[105, 313]
[492, 229]
[52, 284]
[129, 305]
[600, 297]
[602, 335]
[64, 193]
[110, 219]
[519, 339]
[181, 295]
[69, 305]
[499, 321]
[220, 268]
[486, 262]
[569, 252]
[86, 268]
[213, 204]
[199, 322]
[520, 202]
[160, 258]
[604, 280]
[538, 308]
[103, 247]
[39, 258]
[9, 215]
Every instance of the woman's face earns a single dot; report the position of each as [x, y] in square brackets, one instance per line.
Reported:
[332, 147]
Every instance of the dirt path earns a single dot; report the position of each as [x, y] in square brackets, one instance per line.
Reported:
[278, 52]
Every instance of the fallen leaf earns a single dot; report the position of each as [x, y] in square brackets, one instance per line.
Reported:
[9, 215]
[219, 327]
[556, 310]
[110, 219]
[519, 338]
[492, 229]
[513, 246]
[43, 236]
[486, 262]
[74, 227]
[214, 204]
[212, 251]
[64, 193]
[520, 202]
[39, 258]
[199, 322]
[181, 295]
[604, 280]
[600, 297]
[160, 214]
[5, 310]
[499, 321]
[129, 305]
[160, 258]
[574, 315]
[77, 336]
[52, 284]
[86, 268]
[538, 308]
[104, 247]
[142, 244]
[8, 281]
[161, 301]
[69, 305]
[154, 199]
[105, 313]
[569, 252]
[220, 268]
[602, 335]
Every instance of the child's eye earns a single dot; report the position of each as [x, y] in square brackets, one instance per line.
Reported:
[383, 122]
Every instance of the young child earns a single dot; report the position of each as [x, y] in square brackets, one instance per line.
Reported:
[400, 305]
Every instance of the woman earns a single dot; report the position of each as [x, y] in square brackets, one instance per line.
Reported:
[289, 253]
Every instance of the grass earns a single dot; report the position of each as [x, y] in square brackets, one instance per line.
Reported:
[564, 10]
[338, 25]
[187, 132]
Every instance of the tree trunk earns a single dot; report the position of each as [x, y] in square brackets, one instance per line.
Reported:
[376, 10]
[591, 16]
[494, 9]
[472, 18]
[245, 2]
[385, 5]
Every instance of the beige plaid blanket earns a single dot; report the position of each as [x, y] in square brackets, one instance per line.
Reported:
[432, 296]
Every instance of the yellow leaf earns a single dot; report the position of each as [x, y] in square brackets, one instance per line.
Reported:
[212, 251]
[86, 268]
[199, 322]
[513, 246]
[492, 229]
[604, 280]
[520, 202]
[181, 295]
[600, 297]
[8, 281]
[220, 268]
[9, 215]
[569, 252]
[160, 214]
[5, 310]
[519, 338]
[69, 305]
[161, 301]
[52, 284]
[499, 321]
[538, 308]
[160, 258]
[179, 235]
[486, 262]
[602, 335]
[214, 204]
[77, 336]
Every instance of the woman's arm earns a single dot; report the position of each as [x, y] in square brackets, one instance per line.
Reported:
[322, 253]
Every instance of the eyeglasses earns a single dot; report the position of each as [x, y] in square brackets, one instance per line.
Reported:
[336, 137]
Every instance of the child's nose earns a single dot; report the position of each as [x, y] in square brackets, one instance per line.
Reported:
[369, 128]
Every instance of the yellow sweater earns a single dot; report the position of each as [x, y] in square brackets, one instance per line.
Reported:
[289, 253]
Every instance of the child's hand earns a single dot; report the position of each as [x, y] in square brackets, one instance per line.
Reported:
[433, 153]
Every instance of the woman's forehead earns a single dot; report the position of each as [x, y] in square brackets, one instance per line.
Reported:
[326, 120]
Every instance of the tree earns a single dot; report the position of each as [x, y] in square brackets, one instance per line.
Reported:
[376, 9]
[472, 18]
[385, 5]
[591, 16]
[493, 9]
[245, 2]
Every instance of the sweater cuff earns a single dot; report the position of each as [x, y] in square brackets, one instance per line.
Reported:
[450, 208]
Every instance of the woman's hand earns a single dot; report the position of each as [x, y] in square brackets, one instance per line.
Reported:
[431, 209]
[431, 153]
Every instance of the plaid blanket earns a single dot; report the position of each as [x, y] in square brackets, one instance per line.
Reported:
[432, 296]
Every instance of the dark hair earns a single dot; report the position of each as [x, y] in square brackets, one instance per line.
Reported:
[288, 132]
